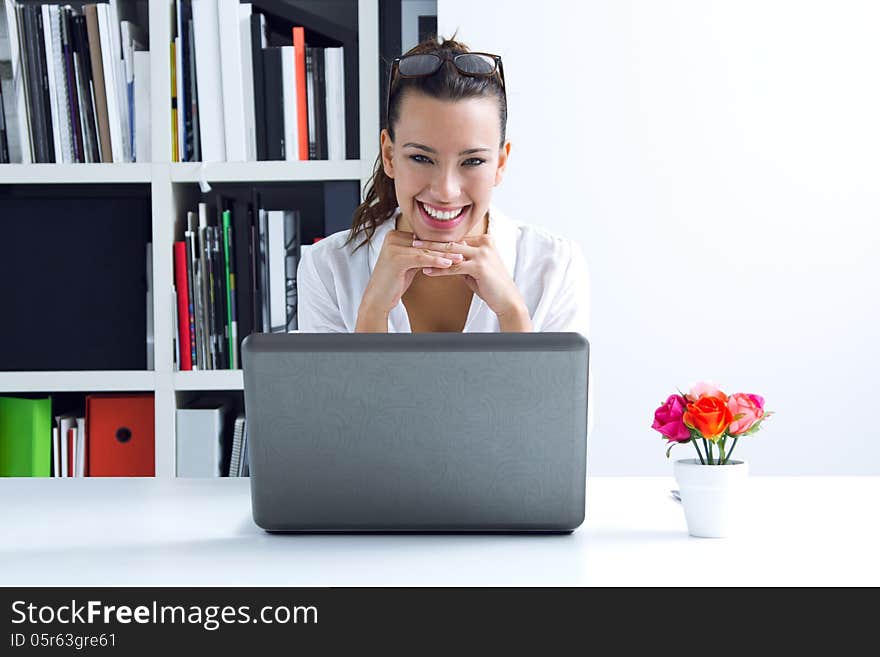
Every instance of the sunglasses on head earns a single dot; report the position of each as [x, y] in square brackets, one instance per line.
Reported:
[471, 64]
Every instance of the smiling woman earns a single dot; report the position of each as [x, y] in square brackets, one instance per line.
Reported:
[427, 250]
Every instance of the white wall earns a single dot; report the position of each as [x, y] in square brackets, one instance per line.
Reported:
[719, 162]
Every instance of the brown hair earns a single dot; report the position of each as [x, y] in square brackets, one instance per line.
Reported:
[380, 199]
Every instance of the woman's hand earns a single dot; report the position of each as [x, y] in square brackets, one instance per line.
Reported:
[398, 263]
[486, 275]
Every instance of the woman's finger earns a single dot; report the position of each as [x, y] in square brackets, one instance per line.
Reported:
[455, 269]
[445, 247]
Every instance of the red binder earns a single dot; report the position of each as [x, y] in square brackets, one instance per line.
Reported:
[302, 112]
[121, 435]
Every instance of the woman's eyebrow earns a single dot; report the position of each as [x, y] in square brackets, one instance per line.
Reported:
[431, 150]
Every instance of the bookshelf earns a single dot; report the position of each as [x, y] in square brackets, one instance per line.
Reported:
[172, 190]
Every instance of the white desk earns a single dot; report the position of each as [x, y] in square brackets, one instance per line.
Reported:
[801, 531]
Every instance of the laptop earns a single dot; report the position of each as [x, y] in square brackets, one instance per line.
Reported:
[416, 432]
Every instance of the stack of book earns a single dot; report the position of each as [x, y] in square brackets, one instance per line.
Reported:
[234, 273]
[72, 78]
[115, 437]
[235, 98]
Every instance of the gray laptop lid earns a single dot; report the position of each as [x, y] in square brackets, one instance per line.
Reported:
[417, 431]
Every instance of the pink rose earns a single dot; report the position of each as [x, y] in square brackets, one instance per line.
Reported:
[667, 420]
[751, 407]
[703, 389]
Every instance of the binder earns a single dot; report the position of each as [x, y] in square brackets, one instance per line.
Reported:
[200, 430]
[121, 435]
[25, 437]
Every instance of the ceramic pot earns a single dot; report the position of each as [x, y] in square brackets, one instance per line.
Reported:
[713, 496]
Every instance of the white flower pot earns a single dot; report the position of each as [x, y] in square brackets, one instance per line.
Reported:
[713, 496]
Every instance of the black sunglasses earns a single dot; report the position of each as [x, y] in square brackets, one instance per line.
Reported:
[471, 64]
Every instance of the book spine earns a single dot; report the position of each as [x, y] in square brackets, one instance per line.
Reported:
[175, 118]
[311, 104]
[274, 104]
[49, 133]
[190, 249]
[19, 75]
[247, 76]
[87, 138]
[258, 30]
[232, 80]
[288, 89]
[102, 114]
[194, 133]
[207, 42]
[68, 41]
[53, 76]
[320, 105]
[207, 289]
[231, 314]
[299, 43]
[183, 319]
[219, 297]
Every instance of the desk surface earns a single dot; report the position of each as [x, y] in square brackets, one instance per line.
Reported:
[799, 531]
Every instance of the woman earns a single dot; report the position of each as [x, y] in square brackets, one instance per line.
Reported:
[427, 251]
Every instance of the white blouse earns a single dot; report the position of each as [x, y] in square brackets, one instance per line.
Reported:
[550, 273]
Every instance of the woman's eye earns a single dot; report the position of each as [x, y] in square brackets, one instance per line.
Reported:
[474, 162]
[420, 159]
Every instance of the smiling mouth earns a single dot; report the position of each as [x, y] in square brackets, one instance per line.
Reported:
[439, 215]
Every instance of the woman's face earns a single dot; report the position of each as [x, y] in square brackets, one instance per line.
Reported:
[445, 162]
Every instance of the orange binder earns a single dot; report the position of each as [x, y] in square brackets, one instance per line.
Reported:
[302, 111]
[121, 435]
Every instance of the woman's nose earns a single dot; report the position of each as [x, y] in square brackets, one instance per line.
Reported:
[447, 186]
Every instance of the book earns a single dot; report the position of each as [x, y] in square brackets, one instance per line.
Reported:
[299, 44]
[320, 104]
[258, 43]
[292, 230]
[176, 136]
[86, 89]
[334, 59]
[112, 83]
[55, 76]
[25, 437]
[199, 447]
[277, 275]
[142, 107]
[179, 109]
[151, 340]
[235, 454]
[211, 106]
[192, 128]
[230, 292]
[96, 56]
[274, 103]
[289, 103]
[13, 81]
[311, 104]
[232, 80]
[183, 305]
[247, 73]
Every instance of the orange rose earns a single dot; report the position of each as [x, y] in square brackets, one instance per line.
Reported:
[709, 415]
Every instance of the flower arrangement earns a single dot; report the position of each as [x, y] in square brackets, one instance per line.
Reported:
[709, 416]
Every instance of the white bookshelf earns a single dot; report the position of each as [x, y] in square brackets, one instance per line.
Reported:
[173, 187]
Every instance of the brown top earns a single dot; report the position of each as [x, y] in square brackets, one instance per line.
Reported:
[437, 304]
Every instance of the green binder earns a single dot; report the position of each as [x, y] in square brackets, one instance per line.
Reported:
[25, 437]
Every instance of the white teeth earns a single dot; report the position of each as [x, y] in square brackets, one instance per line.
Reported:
[442, 216]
